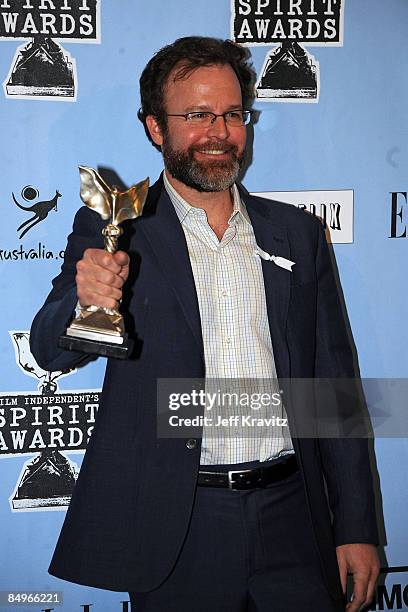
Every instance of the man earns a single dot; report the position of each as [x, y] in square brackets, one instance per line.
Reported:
[210, 525]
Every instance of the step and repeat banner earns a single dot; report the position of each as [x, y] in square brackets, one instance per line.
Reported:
[331, 137]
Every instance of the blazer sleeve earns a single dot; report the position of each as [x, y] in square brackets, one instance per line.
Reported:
[58, 310]
[345, 459]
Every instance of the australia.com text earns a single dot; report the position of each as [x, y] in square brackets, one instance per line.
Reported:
[40, 252]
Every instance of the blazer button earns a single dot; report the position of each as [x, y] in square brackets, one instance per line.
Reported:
[192, 443]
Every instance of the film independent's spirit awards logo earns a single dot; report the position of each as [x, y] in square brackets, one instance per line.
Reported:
[38, 209]
[47, 423]
[42, 68]
[289, 73]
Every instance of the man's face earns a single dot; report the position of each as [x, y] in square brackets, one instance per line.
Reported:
[204, 158]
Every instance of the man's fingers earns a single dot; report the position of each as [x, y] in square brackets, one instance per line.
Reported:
[121, 258]
[343, 574]
[88, 274]
[371, 585]
[101, 302]
[117, 263]
[99, 295]
[359, 592]
[102, 258]
[100, 278]
[363, 562]
[93, 286]
[98, 286]
[107, 291]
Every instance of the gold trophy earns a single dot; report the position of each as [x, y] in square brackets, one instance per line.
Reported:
[99, 330]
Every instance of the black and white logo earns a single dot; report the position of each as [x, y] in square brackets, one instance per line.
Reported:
[39, 210]
[30, 210]
[335, 209]
[46, 423]
[41, 68]
[289, 73]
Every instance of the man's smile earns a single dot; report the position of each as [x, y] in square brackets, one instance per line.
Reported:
[214, 152]
[224, 152]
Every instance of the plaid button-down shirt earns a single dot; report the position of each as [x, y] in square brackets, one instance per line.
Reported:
[235, 330]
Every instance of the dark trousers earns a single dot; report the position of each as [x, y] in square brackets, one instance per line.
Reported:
[246, 551]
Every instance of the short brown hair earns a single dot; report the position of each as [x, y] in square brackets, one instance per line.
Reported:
[189, 53]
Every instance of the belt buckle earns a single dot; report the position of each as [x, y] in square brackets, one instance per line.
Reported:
[230, 476]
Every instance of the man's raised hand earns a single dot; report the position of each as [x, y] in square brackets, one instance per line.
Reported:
[100, 277]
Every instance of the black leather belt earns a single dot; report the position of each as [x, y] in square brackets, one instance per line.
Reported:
[249, 479]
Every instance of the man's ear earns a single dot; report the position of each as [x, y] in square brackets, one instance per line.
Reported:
[154, 130]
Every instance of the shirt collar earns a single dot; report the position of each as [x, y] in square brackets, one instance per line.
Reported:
[239, 210]
[183, 208]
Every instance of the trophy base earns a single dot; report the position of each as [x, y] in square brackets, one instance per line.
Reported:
[97, 331]
[96, 347]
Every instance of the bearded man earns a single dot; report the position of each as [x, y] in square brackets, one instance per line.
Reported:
[210, 523]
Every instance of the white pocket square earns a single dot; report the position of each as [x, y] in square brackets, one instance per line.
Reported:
[279, 261]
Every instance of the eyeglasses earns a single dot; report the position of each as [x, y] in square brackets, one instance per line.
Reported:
[204, 119]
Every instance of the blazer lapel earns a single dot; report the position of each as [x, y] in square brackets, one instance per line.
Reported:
[165, 235]
[273, 239]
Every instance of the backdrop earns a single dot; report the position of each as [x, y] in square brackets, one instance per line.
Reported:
[331, 137]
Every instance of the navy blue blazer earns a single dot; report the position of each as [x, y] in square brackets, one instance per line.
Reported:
[132, 503]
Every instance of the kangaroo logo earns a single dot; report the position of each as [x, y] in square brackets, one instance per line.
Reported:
[40, 209]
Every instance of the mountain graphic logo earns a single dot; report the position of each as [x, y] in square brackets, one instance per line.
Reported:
[39, 209]
[289, 72]
[46, 481]
[41, 68]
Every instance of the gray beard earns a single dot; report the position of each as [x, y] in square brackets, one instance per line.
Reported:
[215, 175]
